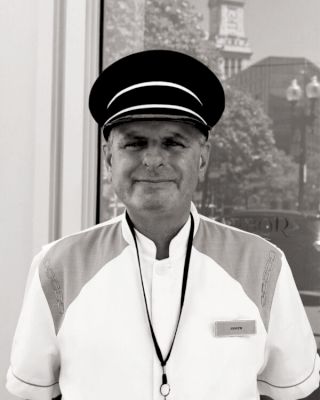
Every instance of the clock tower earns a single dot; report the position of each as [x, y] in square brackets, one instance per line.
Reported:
[226, 30]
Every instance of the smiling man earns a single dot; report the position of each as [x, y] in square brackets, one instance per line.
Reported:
[161, 302]
[155, 170]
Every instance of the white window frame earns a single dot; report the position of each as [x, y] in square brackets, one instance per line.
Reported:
[69, 150]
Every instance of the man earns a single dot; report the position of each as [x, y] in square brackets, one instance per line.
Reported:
[161, 303]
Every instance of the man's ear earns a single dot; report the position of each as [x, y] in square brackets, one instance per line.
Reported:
[204, 159]
[108, 161]
[107, 155]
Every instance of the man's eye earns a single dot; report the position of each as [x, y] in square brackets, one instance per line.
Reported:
[133, 145]
[174, 143]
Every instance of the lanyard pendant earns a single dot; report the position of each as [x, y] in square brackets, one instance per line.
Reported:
[165, 387]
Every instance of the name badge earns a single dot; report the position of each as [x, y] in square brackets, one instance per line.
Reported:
[235, 328]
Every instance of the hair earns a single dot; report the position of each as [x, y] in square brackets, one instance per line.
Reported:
[106, 131]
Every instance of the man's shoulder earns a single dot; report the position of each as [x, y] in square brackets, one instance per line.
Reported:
[247, 258]
[78, 243]
[72, 261]
[82, 254]
[225, 235]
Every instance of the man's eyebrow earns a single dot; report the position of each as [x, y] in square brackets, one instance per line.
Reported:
[133, 135]
[177, 135]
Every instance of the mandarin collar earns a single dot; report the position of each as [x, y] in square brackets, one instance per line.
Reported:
[177, 246]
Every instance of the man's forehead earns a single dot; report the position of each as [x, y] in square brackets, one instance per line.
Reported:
[151, 128]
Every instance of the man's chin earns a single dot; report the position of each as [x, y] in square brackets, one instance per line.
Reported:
[154, 204]
[158, 209]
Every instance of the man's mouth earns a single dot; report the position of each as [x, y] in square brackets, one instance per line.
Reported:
[154, 180]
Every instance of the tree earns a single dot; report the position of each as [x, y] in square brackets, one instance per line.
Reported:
[312, 188]
[245, 166]
[175, 24]
[123, 29]
[133, 25]
[277, 186]
[243, 154]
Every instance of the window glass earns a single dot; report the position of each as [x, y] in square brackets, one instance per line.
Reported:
[264, 172]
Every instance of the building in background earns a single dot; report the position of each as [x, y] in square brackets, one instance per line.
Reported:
[267, 81]
[226, 30]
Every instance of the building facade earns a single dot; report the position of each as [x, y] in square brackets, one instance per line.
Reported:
[226, 30]
[267, 81]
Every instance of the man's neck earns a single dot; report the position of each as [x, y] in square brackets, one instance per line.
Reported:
[161, 229]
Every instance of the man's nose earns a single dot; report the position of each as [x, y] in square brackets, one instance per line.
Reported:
[153, 157]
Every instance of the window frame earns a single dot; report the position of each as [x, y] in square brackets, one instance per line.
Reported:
[74, 144]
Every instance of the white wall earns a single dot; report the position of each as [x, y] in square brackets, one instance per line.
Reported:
[19, 156]
[32, 69]
[25, 112]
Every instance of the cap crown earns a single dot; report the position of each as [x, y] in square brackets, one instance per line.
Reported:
[153, 84]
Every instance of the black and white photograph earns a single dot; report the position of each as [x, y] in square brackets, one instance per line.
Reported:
[160, 224]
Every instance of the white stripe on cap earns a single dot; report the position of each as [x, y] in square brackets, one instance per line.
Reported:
[153, 83]
[145, 106]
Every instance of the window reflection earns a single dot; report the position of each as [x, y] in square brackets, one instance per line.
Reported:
[265, 149]
[264, 172]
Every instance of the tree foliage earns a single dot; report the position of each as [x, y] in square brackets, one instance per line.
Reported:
[312, 188]
[133, 25]
[175, 24]
[246, 169]
[123, 28]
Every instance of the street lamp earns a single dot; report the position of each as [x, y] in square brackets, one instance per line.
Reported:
[303, 118]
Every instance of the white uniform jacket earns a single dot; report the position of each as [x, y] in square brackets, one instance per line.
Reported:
[83, 330]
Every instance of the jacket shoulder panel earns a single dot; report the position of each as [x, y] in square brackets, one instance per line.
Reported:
[251, 260]
[72, 261]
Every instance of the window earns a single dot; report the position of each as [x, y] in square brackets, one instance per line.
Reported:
[264, 172]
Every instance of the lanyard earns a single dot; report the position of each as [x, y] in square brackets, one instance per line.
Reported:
[165, 387]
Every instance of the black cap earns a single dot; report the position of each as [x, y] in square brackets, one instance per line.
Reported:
[157, 85]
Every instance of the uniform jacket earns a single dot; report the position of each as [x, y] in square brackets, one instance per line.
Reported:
[83, 329]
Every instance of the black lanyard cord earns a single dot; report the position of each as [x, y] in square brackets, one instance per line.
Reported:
[183, 292]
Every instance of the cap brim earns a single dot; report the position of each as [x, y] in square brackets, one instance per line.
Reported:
[204, 129]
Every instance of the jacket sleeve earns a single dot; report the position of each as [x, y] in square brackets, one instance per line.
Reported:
[291, 370]
[35, 364]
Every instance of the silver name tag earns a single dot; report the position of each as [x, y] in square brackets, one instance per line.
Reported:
[235, 328]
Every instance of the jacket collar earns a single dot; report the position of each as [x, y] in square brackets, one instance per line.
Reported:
[177, 245]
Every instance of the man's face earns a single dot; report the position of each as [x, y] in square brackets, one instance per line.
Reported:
[155, 166]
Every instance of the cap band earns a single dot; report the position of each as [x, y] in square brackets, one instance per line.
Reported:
[153, 83]
[146, 106]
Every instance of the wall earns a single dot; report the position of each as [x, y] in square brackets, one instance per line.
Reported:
[44, 92]
[23, 153]
[25, 107]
